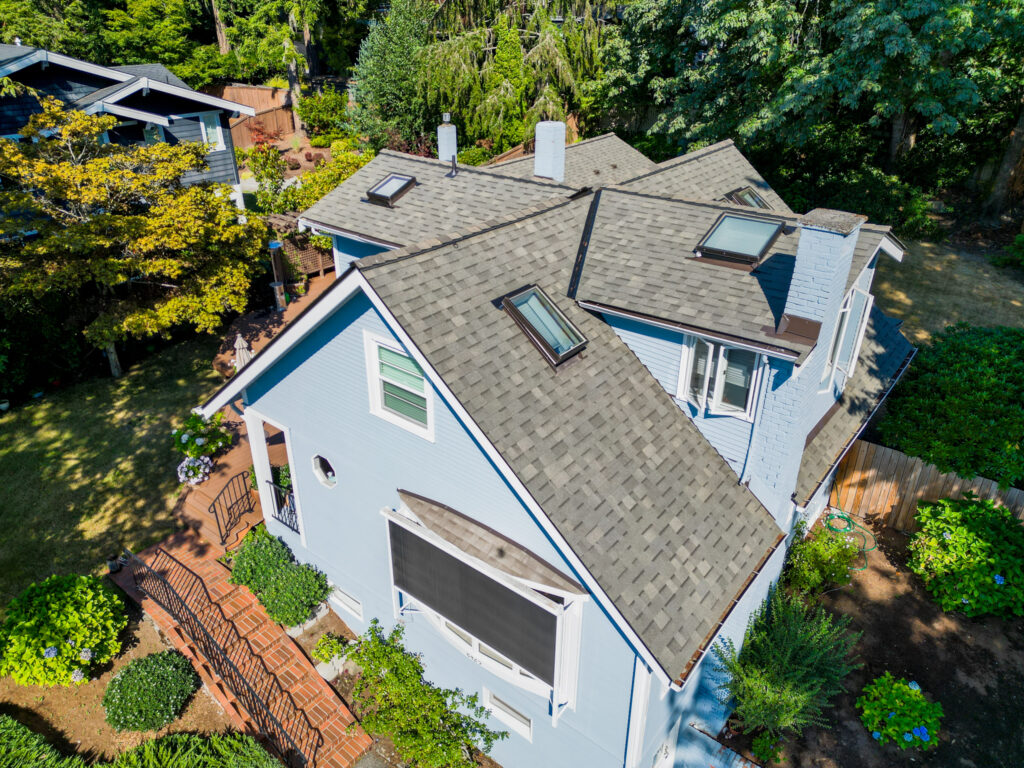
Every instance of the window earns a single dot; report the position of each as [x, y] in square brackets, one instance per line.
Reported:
[544, 324]
[847, 337]
[398, 387]
[509, 715]
[344, 600]
[719, 378]
[324, 471]
[213, 132]
[739, 238]
[747, 196]
[152, 133]
[388, 190]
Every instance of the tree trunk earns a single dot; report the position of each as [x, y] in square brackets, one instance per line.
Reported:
[1012, 157]
[218, 24]
[296, 92]
[115, 363]
[902, 139]
[312, 64]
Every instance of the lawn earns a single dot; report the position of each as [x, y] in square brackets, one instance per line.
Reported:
[89, 469]
[941, 284]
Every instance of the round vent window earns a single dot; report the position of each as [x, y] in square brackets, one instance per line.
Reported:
[324, 471]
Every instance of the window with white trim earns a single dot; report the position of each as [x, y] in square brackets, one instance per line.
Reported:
[344, 600]
[719, 378]
[324, 471]
[508, 715]
[847, 337]
[213, 131]
[398, 387]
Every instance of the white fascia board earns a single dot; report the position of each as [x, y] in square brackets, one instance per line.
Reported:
[85, 66]
[513, 480]
[891, 247]
[18, 64]
[144, 83]
[133, 114]
[338, 294]
[313, 224]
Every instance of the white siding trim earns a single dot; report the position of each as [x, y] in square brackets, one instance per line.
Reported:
[640, 694]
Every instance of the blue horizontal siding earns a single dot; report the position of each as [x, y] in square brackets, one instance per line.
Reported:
[347, 250]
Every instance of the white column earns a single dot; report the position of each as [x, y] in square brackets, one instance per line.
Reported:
[637, 713]
[260, 461]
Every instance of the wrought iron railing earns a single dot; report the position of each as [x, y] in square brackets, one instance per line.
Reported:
[284, 506]
[230, 656]
[232, 504]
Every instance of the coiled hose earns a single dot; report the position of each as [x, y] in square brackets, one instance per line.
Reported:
[840, 522]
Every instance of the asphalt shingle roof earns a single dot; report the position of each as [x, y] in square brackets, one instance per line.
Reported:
[438, 204]
[647, 504]
[706, 174]
[595, 162]
[153, 72]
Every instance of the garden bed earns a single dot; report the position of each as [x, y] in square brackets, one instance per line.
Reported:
[72, 718]
[973, 667]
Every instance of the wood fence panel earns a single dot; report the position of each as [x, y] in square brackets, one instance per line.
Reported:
[879, 482]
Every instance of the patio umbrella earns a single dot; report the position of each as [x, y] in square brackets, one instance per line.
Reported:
[242, 353]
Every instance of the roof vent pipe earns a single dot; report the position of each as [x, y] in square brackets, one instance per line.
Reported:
[549, 150]
[447, 140]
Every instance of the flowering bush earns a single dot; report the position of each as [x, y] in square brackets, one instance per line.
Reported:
[896, 710]
[970, 554]
[57, 630]
[200, 436]
[150, 692]
[194, 470]
[820, 561]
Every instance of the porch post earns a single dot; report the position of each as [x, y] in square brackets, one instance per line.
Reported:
[260, 461]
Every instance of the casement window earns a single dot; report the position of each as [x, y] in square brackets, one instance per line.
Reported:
[507, 714]
[398, 387]
[749, 197]
[213, 131]
[719, 378]
[847, 337]
[152, 133]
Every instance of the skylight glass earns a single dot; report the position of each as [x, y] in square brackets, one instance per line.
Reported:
[740, 237]
[547, 327]
[748, 196]
[390, 188]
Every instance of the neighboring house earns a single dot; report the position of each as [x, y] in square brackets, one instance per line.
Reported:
[151, 103]
[560, 425]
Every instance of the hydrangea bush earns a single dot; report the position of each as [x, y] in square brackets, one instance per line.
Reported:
[970, 554]
[58, 630]
[150, 692]
[893, 709]
[200, 436]
[195, 470]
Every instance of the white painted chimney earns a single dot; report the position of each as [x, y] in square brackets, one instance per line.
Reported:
[549, 150]
[447, 140]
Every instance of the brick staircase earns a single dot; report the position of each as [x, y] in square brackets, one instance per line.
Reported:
[302, 713]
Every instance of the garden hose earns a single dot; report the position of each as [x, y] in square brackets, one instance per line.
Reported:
[840, 522]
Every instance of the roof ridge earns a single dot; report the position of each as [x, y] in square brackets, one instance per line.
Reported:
[722, 206]
[675, 162]
[579, 143]
[470, 168]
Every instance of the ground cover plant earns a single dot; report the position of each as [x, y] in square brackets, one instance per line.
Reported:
[894, 709]
[970, 555]
[58, 630]
[431, 727]
[819, 561]
[793, 661]
[150, 692]
[288, 590]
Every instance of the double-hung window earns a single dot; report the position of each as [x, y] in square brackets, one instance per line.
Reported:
[213, 132]
[719, 378]
[398, 388]
[847, 337]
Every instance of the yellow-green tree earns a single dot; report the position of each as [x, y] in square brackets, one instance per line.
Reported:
[113, 228]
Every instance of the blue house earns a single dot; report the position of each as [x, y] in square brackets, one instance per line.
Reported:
[559, 416]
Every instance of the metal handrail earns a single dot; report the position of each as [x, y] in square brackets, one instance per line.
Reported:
[284, 506]
[146, 578]
[234, 500]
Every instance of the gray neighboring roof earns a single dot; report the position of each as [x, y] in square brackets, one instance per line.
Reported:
[882, 355]
[437, 205]
[651, 509]
[154, 72]
[640, 259]
[595, 162]
[11, 52]
[706, 174]
[101, 93]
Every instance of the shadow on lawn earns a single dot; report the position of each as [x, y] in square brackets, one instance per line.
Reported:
[973, 667]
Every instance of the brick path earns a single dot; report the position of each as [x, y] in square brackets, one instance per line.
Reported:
[269, 659]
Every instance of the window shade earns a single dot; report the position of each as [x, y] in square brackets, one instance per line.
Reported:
[739, 373]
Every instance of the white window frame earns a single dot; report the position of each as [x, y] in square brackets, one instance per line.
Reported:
[828, 374]
[325, 480]
[869, 302]
[712, 401]
[371, 342]
[346, 601]
[218, 139]
[498, 708]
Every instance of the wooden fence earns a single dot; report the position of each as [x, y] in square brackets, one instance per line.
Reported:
[273, 111]
[879, 482]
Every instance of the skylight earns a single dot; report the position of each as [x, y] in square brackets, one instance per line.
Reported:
[390, 188]
[739, 237]
[545, 325]
[748, 196]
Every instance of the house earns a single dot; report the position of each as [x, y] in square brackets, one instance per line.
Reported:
[151, 103]
[559, 417]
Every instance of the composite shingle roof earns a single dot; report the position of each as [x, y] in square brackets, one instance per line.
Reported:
[651, 509]
[595, 162]
[153, 72]
[439, 203]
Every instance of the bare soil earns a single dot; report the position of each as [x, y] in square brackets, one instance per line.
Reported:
[72, 718]
[973, 667]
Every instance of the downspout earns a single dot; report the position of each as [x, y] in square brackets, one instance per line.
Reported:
[757, 419]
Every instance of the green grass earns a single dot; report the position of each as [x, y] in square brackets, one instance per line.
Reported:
[90, 469]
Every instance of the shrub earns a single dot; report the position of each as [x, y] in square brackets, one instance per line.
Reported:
[57, 630]
[974, 377]
[268, 169]
[326, 140]
[793, 661]
[199, 436]
[820, 561]
[432, 727]
[289, 591]
[325, 112]
[345, 161]
[970, 554]
[21, 747]
[895, 710]
[1014, 253]
[767, 749]
[475, 156]
[328, 648]
[150, 692]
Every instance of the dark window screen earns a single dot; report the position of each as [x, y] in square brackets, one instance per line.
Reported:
[497, 616]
